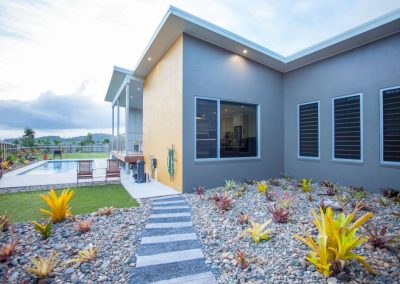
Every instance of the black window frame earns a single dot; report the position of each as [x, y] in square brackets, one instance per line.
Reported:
[219, 158]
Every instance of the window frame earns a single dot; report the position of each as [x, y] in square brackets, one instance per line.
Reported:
[319, 131]
[361, 160]
[218, 158]
[381, 142]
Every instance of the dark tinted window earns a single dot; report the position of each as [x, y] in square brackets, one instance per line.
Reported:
[238, 130]
[206, 128]
[308, 130]
[347, 128]
[391, 125]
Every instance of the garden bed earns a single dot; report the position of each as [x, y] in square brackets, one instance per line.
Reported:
[281, 259]
[115, 236]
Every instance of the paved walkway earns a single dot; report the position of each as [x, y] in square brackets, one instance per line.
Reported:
[169, 251]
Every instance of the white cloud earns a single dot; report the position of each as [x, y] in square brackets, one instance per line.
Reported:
[57, 45]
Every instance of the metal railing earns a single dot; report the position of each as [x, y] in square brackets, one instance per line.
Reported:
[118, 144]
[6, 149]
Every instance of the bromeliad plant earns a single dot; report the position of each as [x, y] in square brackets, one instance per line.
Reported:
[333, 247]
[42, 267]
[105, 211]
[44, 230]
[262, 186]
[271, 196]
[59, 206]
[279, 214]
[86, 255]
[243, 218]
[286, 201]
[306, 184]
[223, 202]
[257, 231]
[199, 190]
[83, 226]
[5, 222]
[230, 184]
[242, 259]
[378, 238]
[7, 249]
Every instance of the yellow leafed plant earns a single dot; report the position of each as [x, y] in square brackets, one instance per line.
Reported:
[335, 241]
[58, 205]
[85, 255]
[258, 231]
[42, 267]
[262, 186]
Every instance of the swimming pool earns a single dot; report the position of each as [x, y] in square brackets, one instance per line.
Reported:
[53, 167]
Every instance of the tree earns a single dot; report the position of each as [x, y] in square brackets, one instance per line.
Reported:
[56, 142]
[106, 141]
[87, 140]
[16, 142]
[28, 139]
[46, 142]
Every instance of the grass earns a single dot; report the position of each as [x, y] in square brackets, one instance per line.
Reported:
[78, 155]
[24, 206]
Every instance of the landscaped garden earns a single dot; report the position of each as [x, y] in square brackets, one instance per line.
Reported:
[81, 234]
[284, 230]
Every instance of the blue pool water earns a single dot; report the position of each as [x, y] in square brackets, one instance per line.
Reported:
[53, 167]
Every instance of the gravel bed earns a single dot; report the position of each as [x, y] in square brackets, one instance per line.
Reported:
[115, 236]
[55, 186]
[282, 258]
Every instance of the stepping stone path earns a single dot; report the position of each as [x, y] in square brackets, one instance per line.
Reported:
[169, 251]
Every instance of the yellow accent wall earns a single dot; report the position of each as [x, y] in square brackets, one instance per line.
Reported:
[162, 114]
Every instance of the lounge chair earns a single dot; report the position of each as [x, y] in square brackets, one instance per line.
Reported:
[57, 153]
[84, 170]
[113, 169]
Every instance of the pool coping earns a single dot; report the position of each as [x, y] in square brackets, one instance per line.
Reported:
[38, 164]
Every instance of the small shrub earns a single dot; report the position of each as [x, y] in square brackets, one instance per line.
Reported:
[243, 218]
[83, 226]
[279, 214]
[286, 201]
[6, 165]
[377, 238]
[7, 249]
[390, 192]
[242, 187]
[230, 184]
[250, 181]
[306, 184]
[5, 222]
[59, 206]
[86, 255]
[257, 231]
[359, 205]
[274, 182]
[262, 186]
[336, 239]
[358, 192]
[42, 267]
[241, 259]
[271, 196]
[199, 190]
[44, 230]
[223, 202]
[326, 183]
[105, 211]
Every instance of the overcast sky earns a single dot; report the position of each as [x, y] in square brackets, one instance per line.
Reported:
[56, 57]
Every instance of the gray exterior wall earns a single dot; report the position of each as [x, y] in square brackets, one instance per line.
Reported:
[365, 70]
[210, 71]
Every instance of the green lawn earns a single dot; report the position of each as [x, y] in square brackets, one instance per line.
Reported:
[24, 206]
[79, 155]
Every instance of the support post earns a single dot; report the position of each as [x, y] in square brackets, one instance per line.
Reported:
[127, 126]
[118, 144]
[112, 128]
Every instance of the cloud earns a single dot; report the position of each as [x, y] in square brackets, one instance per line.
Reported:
[52, 111]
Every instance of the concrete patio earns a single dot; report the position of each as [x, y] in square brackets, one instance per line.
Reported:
[144, 190]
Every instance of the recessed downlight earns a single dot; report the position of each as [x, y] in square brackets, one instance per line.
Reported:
[245, 51]
[149, 58]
